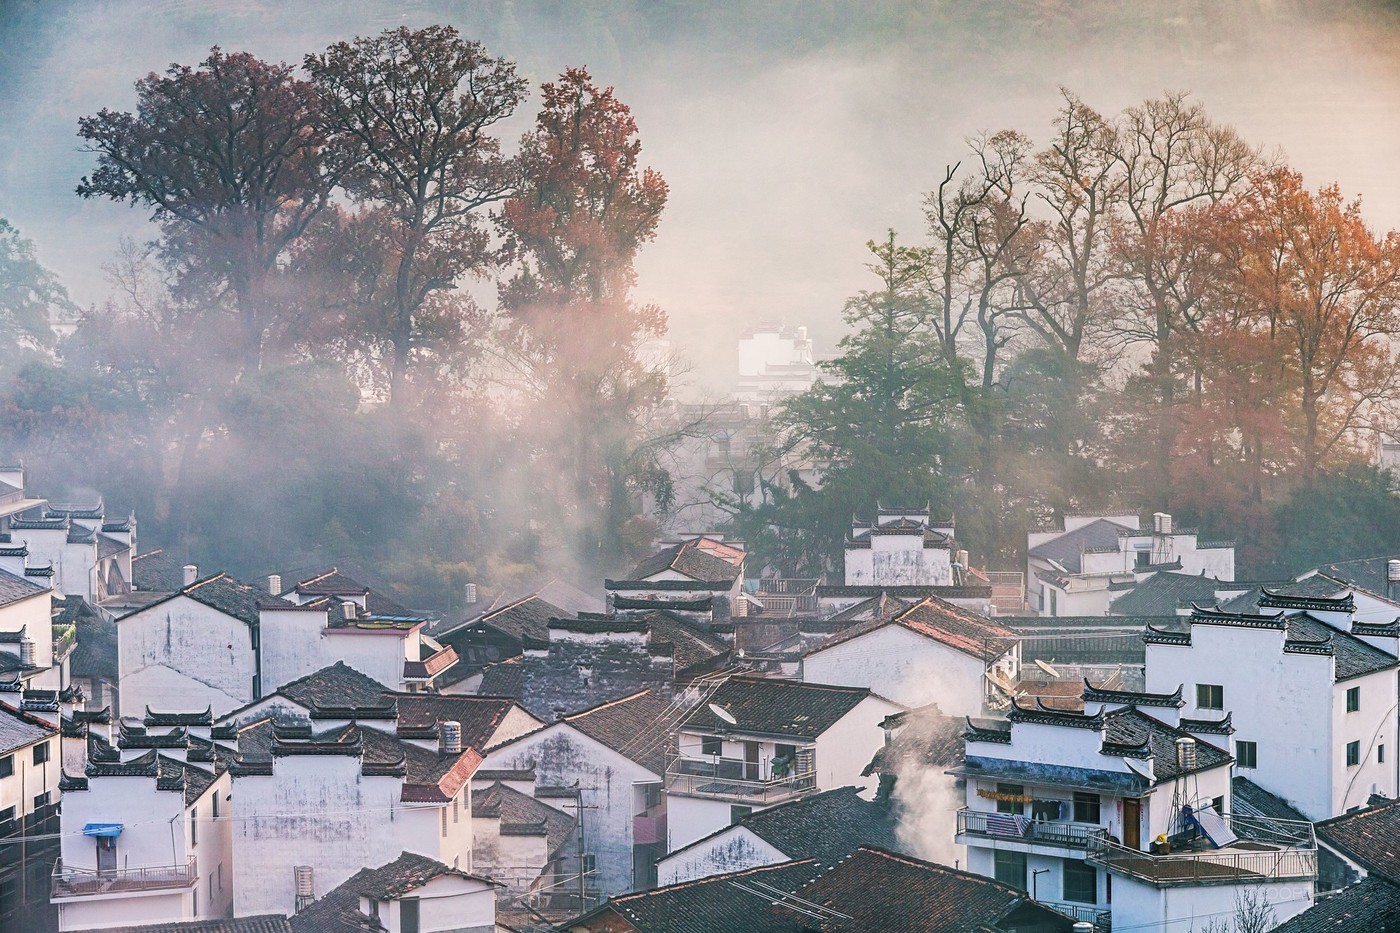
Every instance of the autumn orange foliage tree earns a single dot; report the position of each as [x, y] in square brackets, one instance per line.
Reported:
[585, 207]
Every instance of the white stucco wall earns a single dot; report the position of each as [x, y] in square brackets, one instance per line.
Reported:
[561, 755]
[735, 849]
[846, 748]
[691, 818]
[30, 780]
[1372, 725]
[1281, 701]
[903, 666]
[183, 655]
[321, 811]
[1138, 905]
[898, 560]
[33, 616]
[377, 654]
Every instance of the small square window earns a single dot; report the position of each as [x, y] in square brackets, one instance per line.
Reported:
[1353, 699]
[43, 799]
[1010, 868]
[711, 745]
[7, 766]
[1210, 696]
[41, 753]
[1086, 808]
[737, 813]
[1247, 754]
[1353, 753]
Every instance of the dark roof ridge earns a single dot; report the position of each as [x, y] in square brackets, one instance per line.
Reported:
[1217, 615]
[1044, 715]
[682, 885]
[1133, 697]
[1270, 599]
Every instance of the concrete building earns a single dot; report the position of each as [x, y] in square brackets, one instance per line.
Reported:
[1058, 803]
[1311, 703]
[756, 742]
[1079, 570]
[146, 837]
[931, 652]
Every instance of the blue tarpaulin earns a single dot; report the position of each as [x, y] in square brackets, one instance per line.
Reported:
[102, 829]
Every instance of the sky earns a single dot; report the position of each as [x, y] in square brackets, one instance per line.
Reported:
[790, 132]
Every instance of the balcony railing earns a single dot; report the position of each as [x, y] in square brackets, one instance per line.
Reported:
[1246, 861]
[734, 780]
[71, 881]
[1022, 829]
[1099, 917]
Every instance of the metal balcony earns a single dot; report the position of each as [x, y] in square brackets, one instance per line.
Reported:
[1266, 850]
[1009, 827]
[71, 881]
[735, 781]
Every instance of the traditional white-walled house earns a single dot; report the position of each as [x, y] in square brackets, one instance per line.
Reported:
[411, 894]
[146, 839]
[525, 844]
[26, 632]
[88, 556]
[902, 547]
[223, 643]
[30, 769]
[931, 652]
[697, 568]
[825, 827]
[335, 800]
[757, 742]
[1058, 801]
[615, 756]
[1312, 705]
[1079, 570]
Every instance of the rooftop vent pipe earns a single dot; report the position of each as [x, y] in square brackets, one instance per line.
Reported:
[191, 574]
[274, 584]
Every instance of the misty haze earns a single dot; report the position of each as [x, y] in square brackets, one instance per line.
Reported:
[663, 467]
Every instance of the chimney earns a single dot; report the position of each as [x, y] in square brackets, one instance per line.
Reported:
[274, 584]
[1186, 753]
[1392, 578]
[348, 610]
[191, 574]
[450, 738]
[471, 594]
[26, 652]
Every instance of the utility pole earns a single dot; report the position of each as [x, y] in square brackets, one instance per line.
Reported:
[578, 807]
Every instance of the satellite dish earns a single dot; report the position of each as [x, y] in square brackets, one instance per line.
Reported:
[1047, 669]
[724, 714]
